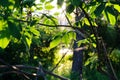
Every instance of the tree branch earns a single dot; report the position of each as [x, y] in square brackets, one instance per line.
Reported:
[109, 62]
[83, 32]
[100, 44]
[16, 72]
[59, 62]
[34, 68]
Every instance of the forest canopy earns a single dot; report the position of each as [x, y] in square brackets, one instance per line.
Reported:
[33, 32]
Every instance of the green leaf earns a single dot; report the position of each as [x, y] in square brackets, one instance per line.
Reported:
[4, 34]
[29, 3]
[27, 41]
[110, 9]
[55, 42]
[42, 1]
[102, 1]
[70, 8]
[86, 21]
[14, 30]
[68, 36]
[34, 31]
[76, 2]
[4, 38]
[110, 15]
[117, 7]
[115, 55]
[99, 9]
[4, 42]
[72, 35]
[84, 41]
[87, 63]
[91, 60]
[49, 6]
[112, 19]
[65, 39]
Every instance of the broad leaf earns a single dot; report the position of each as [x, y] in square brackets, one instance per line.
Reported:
[27, 41]
[34, 31]
[110, 15]
[49, 6]
[110, 9]
[14, 30]
[85, 20]
[72, 35]
[42, 1]
[76, 2]
[99, 9]
[68, 36]
[55, 42]
[65, 39]
[4, 41]
[4, 35]
[70, 8]
[117, 7]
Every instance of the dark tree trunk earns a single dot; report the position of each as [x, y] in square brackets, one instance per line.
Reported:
[77, 61]
[76, 73]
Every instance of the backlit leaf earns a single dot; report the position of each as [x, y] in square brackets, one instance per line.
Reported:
[65, 39]
[86, 21]
[55, 42]
[110, 15]
[49, 6]
[4, 35]
[29, 41]
[117, 7]
[4, 40]
[42, 1]
[34, 31]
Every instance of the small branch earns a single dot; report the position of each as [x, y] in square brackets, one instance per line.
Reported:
[59, 62]
[40, 72]
[81, 48]
[61, 59]
[88, 18]
[111, 67]
[102, 71]
[46, 24]
[69, 26]
[93, 29]
[98, 42]
[34, 68]
[16, 72]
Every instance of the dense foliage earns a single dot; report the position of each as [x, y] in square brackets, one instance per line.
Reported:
[30, 35]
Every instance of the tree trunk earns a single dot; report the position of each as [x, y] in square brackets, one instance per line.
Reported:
[77, 61]
[76, 73]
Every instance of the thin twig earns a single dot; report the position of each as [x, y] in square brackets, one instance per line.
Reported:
[94, 30]
[16, 68]
[34, 68]
[59, 62]
[16, 72]
[105, 52]
[83, 32]
[61, 59]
